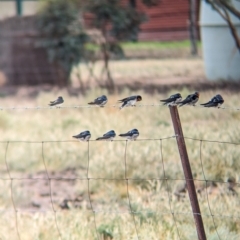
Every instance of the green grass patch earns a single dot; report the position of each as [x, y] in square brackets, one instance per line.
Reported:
[155, 45]
[138, 46]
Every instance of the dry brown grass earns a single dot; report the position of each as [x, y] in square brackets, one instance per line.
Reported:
[149, 198]
[148, 71]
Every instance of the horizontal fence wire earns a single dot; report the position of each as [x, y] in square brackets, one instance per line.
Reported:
[220, 216]
[117, 179]
[126, 178]
[106, 106]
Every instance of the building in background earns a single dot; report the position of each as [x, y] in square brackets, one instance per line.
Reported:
[167, 21]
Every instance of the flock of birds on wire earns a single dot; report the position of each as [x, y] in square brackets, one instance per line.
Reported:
[173, 100]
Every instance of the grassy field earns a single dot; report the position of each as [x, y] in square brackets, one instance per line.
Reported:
[155, 50]
[157, 45]
[152, 198]
[138, 46]
[138, 73]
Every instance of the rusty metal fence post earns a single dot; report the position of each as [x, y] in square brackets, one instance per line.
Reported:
[187, 172]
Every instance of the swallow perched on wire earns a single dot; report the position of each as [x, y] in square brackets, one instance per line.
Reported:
[131, 135]
[58, 101]
[83, 136]
[130, 101]
[191, 99]
[173, 100]
[108, 136]
[216, 101]
[100, 101]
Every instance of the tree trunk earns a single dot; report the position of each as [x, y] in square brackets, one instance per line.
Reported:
[192, 27]
[110, 83]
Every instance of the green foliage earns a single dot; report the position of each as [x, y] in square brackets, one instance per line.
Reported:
[145, 215]
[106, 231]
[62, 33]
[115, 49]
[124, 21]
[157, 45]
[116, 23]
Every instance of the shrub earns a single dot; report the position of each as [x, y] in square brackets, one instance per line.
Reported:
[62, 33]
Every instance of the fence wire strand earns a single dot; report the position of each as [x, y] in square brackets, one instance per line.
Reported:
[168, 190]
[23, 108]
[11, 189]
[126, 178]
[206, 181]
[128, 194]
[89, 193]
[92, 209]
[50, 193]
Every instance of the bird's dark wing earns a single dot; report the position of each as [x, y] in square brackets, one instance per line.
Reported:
[91, 103]
[124, 134]
[57, 101]
[185, 101]
[219, 99]
[100, 138]
[188, 99]
[211, 104]
[99, 100]
[124, 103]
[168, 100]
[127, 99]
[203, 104]
[103, 137]
[77, 136]
[53, 103]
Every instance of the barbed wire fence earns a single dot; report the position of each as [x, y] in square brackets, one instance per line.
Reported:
[15, 108]
[196, 213]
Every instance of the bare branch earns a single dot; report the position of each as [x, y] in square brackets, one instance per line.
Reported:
[216, 8]
[230, 8]
[232, 29]
[220, 7]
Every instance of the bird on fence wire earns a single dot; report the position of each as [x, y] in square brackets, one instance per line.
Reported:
[173, 100]
[58, 101]
[216, 101]
[191, 99]
[109, 136]
[130, 101]
[83, 136]
[100, 101]
[130, 135]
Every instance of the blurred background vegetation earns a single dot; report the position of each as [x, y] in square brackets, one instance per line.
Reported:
[65, 36]
[81, 50]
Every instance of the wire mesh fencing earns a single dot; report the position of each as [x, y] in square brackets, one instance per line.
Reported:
[64, 177]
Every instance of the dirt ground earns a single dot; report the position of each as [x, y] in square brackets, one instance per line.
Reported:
[59, 192]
